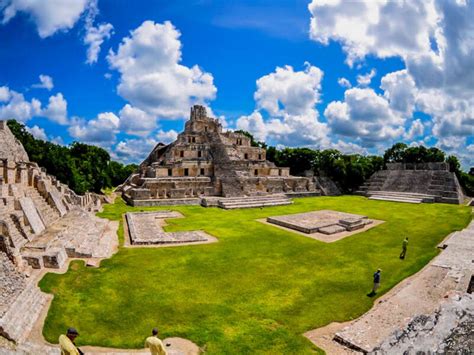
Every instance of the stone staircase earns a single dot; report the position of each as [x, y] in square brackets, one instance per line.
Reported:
[396, 196]
[20, 317]
[253, 202]
[46, 212]
[413, 185]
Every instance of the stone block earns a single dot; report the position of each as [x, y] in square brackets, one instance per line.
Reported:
[32, 215]
[335, 228]
[55, 199]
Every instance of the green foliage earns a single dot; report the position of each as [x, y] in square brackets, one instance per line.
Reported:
[81, 166]
[256, 290]
[253, 142]
[401, 153]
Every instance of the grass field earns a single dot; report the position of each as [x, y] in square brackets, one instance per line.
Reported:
[256, 290]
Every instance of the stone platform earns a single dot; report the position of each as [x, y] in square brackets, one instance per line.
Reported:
[324, 221]
[146, 228]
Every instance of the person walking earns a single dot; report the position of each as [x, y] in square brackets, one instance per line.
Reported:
[376, 283]
[66, 343]
[404, 248]
[154, 344]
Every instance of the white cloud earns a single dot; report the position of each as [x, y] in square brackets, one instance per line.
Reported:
[94, 38]
[135, 121]
[166, 137]
[37, 132]
[400, 90]
[49, 16]
[16, 107]
[435, 40]
[152, 78]
[385, 28]
[365, 79]
[348, 148]
[133, 150]
[56, 110]
[95, 35]
[46, 82]
[365, 116]
[289, 97]
[101, 130]
[4, 94]
[287, 91]
[344, 83]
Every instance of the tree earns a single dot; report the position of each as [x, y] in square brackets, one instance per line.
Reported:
[395, 154]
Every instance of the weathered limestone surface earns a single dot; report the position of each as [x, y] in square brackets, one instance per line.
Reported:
[414, 183]
[42, 222]
[10, 147]
[205, 161]
[323, 221]
[31, 215]
[145, 228]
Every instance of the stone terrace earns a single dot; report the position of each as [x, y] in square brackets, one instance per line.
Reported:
[324, 221]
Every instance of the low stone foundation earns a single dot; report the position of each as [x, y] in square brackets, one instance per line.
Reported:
[146, 228]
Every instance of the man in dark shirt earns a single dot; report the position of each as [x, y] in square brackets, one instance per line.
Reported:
[376, 283]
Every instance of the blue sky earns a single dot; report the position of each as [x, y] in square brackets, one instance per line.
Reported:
[356, 77]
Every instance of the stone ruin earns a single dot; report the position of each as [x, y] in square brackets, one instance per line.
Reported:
[323, 221]
[414, 183]
[42, 223]
[203, 162]
[146, 228]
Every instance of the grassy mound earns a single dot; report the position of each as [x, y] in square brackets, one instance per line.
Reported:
[256, 290]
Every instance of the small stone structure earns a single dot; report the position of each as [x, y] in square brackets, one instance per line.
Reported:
[42, 223]
[205, 161]
[145, 228]
[414, 183]
[324, 221]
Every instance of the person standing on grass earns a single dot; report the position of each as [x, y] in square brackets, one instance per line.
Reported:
[66, 342]
[376, 282]
[404, 248]
[154, 344]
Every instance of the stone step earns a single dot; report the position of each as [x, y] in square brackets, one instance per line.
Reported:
[252, 200]
[396, 199]
[255, 204]
[22, 314]
[401, 194]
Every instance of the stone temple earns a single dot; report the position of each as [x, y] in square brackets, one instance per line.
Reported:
[42, 224]
[204, 161]
[414, 183]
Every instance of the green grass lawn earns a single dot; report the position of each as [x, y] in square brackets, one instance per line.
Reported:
[256, 290]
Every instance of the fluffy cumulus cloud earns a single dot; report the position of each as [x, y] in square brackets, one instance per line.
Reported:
[49, 16]
[13, 105]
[286, 108]
[56, 110]
[151, 76]
[136, 122]
[46, 82]
[133, 150]
[101, 130]
[435, 40]
[364, 116]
